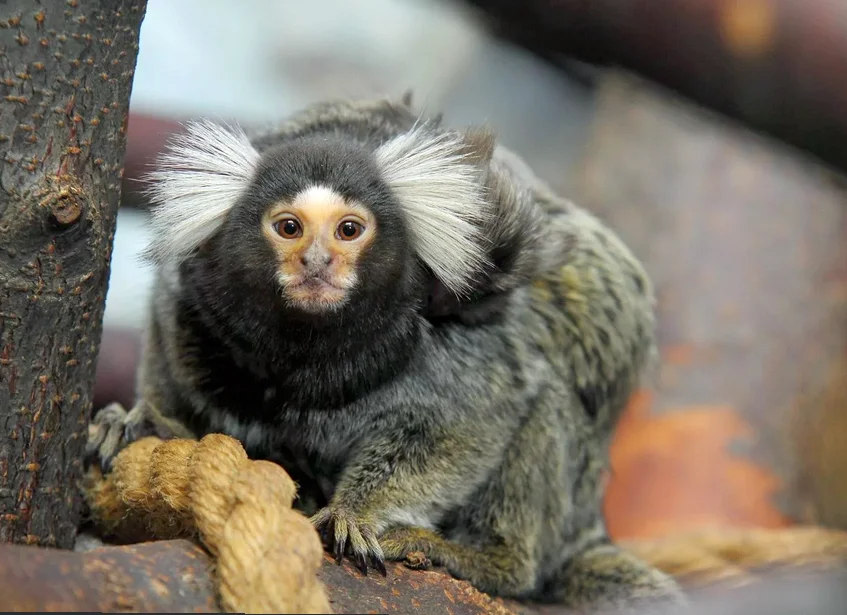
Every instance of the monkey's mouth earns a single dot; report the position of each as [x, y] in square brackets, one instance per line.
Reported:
[315, 293]
[316, 283]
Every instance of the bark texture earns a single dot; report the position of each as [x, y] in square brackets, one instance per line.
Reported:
[66, 71]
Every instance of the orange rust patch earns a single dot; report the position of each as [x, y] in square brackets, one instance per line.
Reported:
[674, 472]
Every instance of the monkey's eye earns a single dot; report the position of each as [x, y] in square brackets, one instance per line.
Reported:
[288, 228]
[349, 230]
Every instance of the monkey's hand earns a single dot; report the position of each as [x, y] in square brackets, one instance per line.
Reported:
[404, 477]
[113, 428]
[357, 533]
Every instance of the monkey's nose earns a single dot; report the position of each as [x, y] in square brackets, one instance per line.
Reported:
[315, 259]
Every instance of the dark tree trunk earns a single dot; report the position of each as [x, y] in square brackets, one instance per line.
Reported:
[66, 71]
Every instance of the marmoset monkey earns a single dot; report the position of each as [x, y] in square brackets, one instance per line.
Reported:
[405, 315]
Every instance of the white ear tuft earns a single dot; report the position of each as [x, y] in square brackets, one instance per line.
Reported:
[441, 190]
[198, 180]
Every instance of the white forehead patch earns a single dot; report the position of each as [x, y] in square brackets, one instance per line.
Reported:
[318, 195]
[441, 192]
[198, 179]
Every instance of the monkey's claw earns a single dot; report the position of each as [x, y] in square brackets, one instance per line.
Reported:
[353, 534]
[111, 430]
[106, 436]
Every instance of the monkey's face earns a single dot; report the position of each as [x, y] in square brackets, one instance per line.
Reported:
[319, 239]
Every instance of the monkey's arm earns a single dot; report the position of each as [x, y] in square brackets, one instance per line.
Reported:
[153, 414]
[405, 476]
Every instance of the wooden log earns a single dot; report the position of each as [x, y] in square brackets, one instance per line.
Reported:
[66, 76]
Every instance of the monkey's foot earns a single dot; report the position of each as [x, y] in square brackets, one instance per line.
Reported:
[399, 542]
[493, 570]
[350, 533]
[113, 428]
[415, 547]
[417, 560]
[607, 578]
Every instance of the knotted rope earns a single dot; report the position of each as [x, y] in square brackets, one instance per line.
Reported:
[267, 554]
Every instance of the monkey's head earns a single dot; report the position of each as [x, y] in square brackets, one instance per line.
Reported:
[320, 240]
[322, 226]
[327, 224]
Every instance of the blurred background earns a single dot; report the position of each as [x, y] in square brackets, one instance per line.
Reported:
[711, 134]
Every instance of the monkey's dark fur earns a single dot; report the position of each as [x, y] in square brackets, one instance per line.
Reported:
[472, 428]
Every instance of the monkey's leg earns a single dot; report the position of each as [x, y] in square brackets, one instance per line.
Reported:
[605, 576]
[601, 577]
[113, 428]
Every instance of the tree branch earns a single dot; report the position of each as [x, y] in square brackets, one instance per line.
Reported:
[66, 71]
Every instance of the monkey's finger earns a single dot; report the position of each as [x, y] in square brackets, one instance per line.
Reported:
[91, 455]
[340, 533]
[110, 447]
[362, 563]
[375, 550]
[134, 424]
[104, 422]
[96, 435]
[113, 414]
[338, 548]
[319, 519]
[359, 548]
[338, 552]
[377, 563]
[105, 460]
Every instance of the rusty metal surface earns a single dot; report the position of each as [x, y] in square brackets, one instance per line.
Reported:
[175, 576]
[775, 64]
[746, 244]
[158, 577]
[406, 591]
